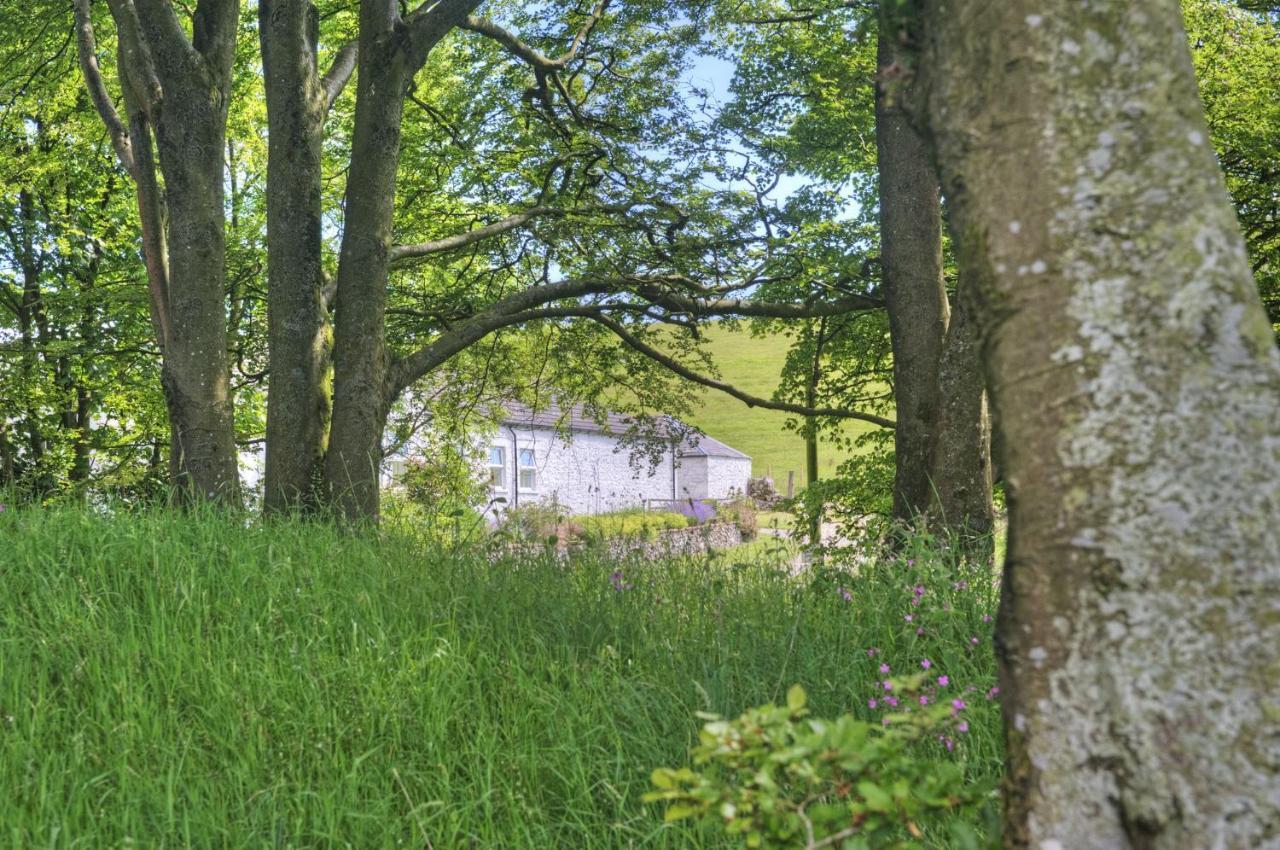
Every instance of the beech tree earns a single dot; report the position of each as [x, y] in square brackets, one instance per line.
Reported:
[1136, 388]
[176, 88]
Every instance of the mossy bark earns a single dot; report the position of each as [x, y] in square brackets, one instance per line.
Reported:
[1135, 386]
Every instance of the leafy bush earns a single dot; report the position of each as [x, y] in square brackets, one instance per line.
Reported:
[633, 523]
[775, 778]
[742, 513]
[540, 521]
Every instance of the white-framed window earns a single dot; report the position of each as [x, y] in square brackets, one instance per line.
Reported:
[498, 468]
[396, 470]
[528, 470]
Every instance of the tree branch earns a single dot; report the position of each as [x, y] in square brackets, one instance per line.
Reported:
[340, 70]
[746, 398]
[528, 54]
[760, 309]
[430, 22]
[402, 253]
[88, 52]
[137, 67]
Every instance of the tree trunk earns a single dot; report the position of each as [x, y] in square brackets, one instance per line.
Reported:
[960, 469]
[914, 290]
[178, 87]
[360, 363]
[391, 51]
[298, 404]
[1135, 386]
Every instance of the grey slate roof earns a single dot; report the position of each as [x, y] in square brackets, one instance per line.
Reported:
[575, 418]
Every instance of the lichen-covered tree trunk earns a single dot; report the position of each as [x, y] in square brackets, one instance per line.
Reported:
[1135, 386]
[298, 404]
[914, 291]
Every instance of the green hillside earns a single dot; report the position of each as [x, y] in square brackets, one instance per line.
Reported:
[754, 364]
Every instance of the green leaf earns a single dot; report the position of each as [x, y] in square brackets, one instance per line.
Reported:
[796, 698]
[679, 812]
[877, 799]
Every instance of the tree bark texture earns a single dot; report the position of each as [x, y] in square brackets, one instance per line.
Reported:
[360, 359]
[391, 51]
[298, 404]
[960, 468]
[914, 289]
[178, 88]
[1135, 385]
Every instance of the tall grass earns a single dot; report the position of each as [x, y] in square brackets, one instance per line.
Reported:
[173, 680]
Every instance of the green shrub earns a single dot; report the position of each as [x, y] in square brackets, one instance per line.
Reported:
[631, 523]
[740, 512]
[775, 778]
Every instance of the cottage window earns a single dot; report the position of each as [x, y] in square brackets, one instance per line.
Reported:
[498, 468]
[528, 470]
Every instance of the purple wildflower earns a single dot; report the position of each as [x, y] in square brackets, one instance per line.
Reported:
[871, 703]
[957, 706]
[908, 618]
[943, 681]
[844, 594]
[884, 668]
[887, 685]
[924, 700]
[926, 664]
[962, 727]
[619, 584]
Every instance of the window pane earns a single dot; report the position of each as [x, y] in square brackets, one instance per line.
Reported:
[526, 457]
[497, 477]
[497, 457]
[528, 479]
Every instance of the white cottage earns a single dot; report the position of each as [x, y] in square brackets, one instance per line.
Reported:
[565, 456]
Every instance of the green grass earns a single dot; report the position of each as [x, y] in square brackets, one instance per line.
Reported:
[754, 364]
[175, 681]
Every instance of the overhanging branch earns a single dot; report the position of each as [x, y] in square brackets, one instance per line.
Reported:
[688, 374]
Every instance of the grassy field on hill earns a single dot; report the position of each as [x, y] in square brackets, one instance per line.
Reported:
[170, 680]
[754, 364]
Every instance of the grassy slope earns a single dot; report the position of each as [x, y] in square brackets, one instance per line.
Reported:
[178, 681]
[754, 364]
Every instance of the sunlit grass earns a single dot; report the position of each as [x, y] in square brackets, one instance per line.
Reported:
[755, 364]
[177, 680]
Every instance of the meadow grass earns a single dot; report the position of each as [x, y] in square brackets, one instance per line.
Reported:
[754, 363]
[171, 680]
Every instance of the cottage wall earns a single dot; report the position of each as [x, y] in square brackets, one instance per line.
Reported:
[726, 477]
[589, 474]
[693, 477]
